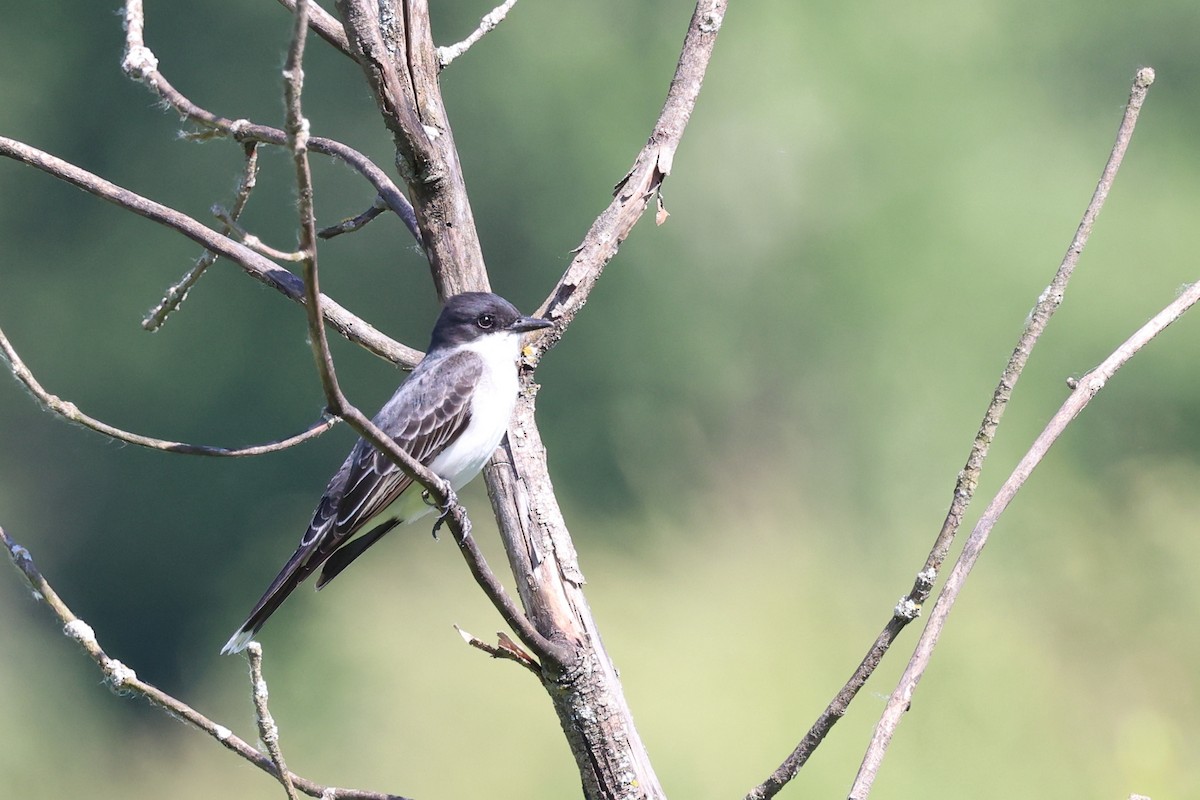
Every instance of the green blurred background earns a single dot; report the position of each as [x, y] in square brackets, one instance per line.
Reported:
[868, 201]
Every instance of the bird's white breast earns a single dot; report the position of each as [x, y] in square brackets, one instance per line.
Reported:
[491, 408]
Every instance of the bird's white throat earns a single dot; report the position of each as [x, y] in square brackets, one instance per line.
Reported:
[491, 408]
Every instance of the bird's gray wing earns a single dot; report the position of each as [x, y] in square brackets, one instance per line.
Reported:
[423, 423]
[428, 412]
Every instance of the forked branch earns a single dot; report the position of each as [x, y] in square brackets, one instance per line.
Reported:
[909, 606]
[253, 264]
[141, 65]
[402, 66]
[1084, 389]
[178, 291]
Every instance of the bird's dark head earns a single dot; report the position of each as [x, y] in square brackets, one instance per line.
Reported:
[470, 316]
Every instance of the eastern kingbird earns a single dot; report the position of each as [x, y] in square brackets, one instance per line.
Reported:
[450, 414]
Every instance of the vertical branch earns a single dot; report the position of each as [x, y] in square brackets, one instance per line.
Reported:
[401, 66]
[297, 133]
[268, 731]
[297, 129]
[1039, 318]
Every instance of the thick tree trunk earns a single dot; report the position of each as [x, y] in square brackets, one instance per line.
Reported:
[392, 42]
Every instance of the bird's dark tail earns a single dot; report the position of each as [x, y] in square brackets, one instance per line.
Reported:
[341, 558]
[298, 567]
[303, 563]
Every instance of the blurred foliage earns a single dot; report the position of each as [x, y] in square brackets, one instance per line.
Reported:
[754, 426]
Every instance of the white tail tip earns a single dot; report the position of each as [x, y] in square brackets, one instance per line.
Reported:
[237, 643]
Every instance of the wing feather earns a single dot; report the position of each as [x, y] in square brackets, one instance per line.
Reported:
[432, 417]
[428, 412]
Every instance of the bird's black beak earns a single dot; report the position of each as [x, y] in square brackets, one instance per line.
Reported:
[523, 324]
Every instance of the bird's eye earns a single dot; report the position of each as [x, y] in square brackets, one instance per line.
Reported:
[486, 321]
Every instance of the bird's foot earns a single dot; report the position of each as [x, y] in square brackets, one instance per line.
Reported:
[444, 509]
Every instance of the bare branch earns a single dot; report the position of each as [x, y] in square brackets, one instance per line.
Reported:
[124, 682]
[968, 478]
[507, 649]
[393, 44]
[632, 194]
[324, 25]
[297, 140]
[403, 65]
[1048, 302]
[231, 226]
[552, 655]
[255, 265]
[354, 223]
[486, 25]
[140, 64]
[1085, 389]
[268, 731]
[70, 412]
[178, 291]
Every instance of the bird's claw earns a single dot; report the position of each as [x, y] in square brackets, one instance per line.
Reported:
[445, 510]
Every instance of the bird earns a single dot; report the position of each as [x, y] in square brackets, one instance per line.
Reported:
[450, 414]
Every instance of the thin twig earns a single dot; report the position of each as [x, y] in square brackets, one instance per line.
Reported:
[252, 241]
[297, 141]
[1086, 388]
[486, 25]
[354, 223]
[256, 266]
[70, 412]
[632, 194]
[909, 606]
[268, 731]
[507, 649]
[440, 491]
[124, 682]
[324, 25]
[551, 654]
[178, 291]
[141, 65]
